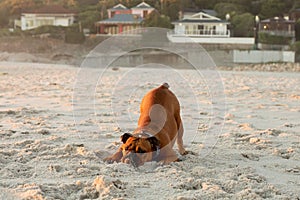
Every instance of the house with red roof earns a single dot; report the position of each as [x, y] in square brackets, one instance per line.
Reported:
[54, 15]
[122, 19]
[117, 10]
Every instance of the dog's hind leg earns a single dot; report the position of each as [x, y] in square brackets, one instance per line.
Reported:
[181, 149]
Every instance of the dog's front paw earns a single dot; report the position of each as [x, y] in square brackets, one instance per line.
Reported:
[169, 160]
[183, 152]
[110, 160]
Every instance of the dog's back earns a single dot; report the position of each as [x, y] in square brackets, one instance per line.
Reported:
[159, 96]
[159, 111]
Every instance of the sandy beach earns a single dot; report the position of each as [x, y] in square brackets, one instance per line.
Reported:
[47, 154]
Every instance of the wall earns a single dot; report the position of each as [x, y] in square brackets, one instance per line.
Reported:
[210, 40]
[262, 56]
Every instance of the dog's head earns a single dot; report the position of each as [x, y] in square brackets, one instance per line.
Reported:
[138, 149]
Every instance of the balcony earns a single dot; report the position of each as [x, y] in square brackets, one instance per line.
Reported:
[201, 33]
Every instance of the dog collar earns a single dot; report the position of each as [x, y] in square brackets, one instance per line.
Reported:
[144, 133]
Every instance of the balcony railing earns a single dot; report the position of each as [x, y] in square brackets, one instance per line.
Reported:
[203, 33]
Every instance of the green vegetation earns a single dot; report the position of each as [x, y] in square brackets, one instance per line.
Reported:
[297, 29]
[157, 20]
[74, 37]
[56, 32]
[267, 38]
[296, 48]
[272, 8]
[229, 8]
[243, 25]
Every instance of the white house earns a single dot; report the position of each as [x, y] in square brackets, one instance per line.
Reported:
[201, 25]
[204, 28]
[54, 15]
[142, 9]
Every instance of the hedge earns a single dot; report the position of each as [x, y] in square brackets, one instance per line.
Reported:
[74, 37]
[267, 38]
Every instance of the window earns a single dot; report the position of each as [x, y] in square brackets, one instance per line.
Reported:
[200, 27]
[29, 23]
[42, 22]
[145, 13]
[112, 13]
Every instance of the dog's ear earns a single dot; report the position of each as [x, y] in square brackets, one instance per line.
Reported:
[125, 137]
[153, 141]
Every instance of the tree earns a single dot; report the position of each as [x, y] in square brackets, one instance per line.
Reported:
[170, 8]
[4, 20]
[154, 19]
[15, 7]
[224, 8]
[88, 19]
[205, 4]
[243, 25]
[297, 29]
[272, 8]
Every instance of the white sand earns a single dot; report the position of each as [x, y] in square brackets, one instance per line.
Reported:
[43, 155]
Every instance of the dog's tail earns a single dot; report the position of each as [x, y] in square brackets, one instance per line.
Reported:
[166, 85]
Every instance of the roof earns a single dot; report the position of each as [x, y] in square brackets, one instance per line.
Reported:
[277, 19]
[201, 21]
[119, 7]
[143, 5]
[210, 12]
[196, 10]
[202, 17]
[123, 18]
[50, 9]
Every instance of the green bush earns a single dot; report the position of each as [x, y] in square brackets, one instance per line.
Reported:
[154, 19]
[297, 29]
[74, 37]
[296, 47]
[243, 25]
[4, 32]
[88, 19]
[267, 38]
[56, 32]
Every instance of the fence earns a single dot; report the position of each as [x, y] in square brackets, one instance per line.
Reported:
[262, 56]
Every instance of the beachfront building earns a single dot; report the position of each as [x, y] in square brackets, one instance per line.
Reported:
[201, 25]
[278, 26]
[276, 33]
[119, 23]
[53, 15]
[122, 19]
[205, 28]
[117, 10]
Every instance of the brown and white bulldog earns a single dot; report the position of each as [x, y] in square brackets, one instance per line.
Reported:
[159, 126]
